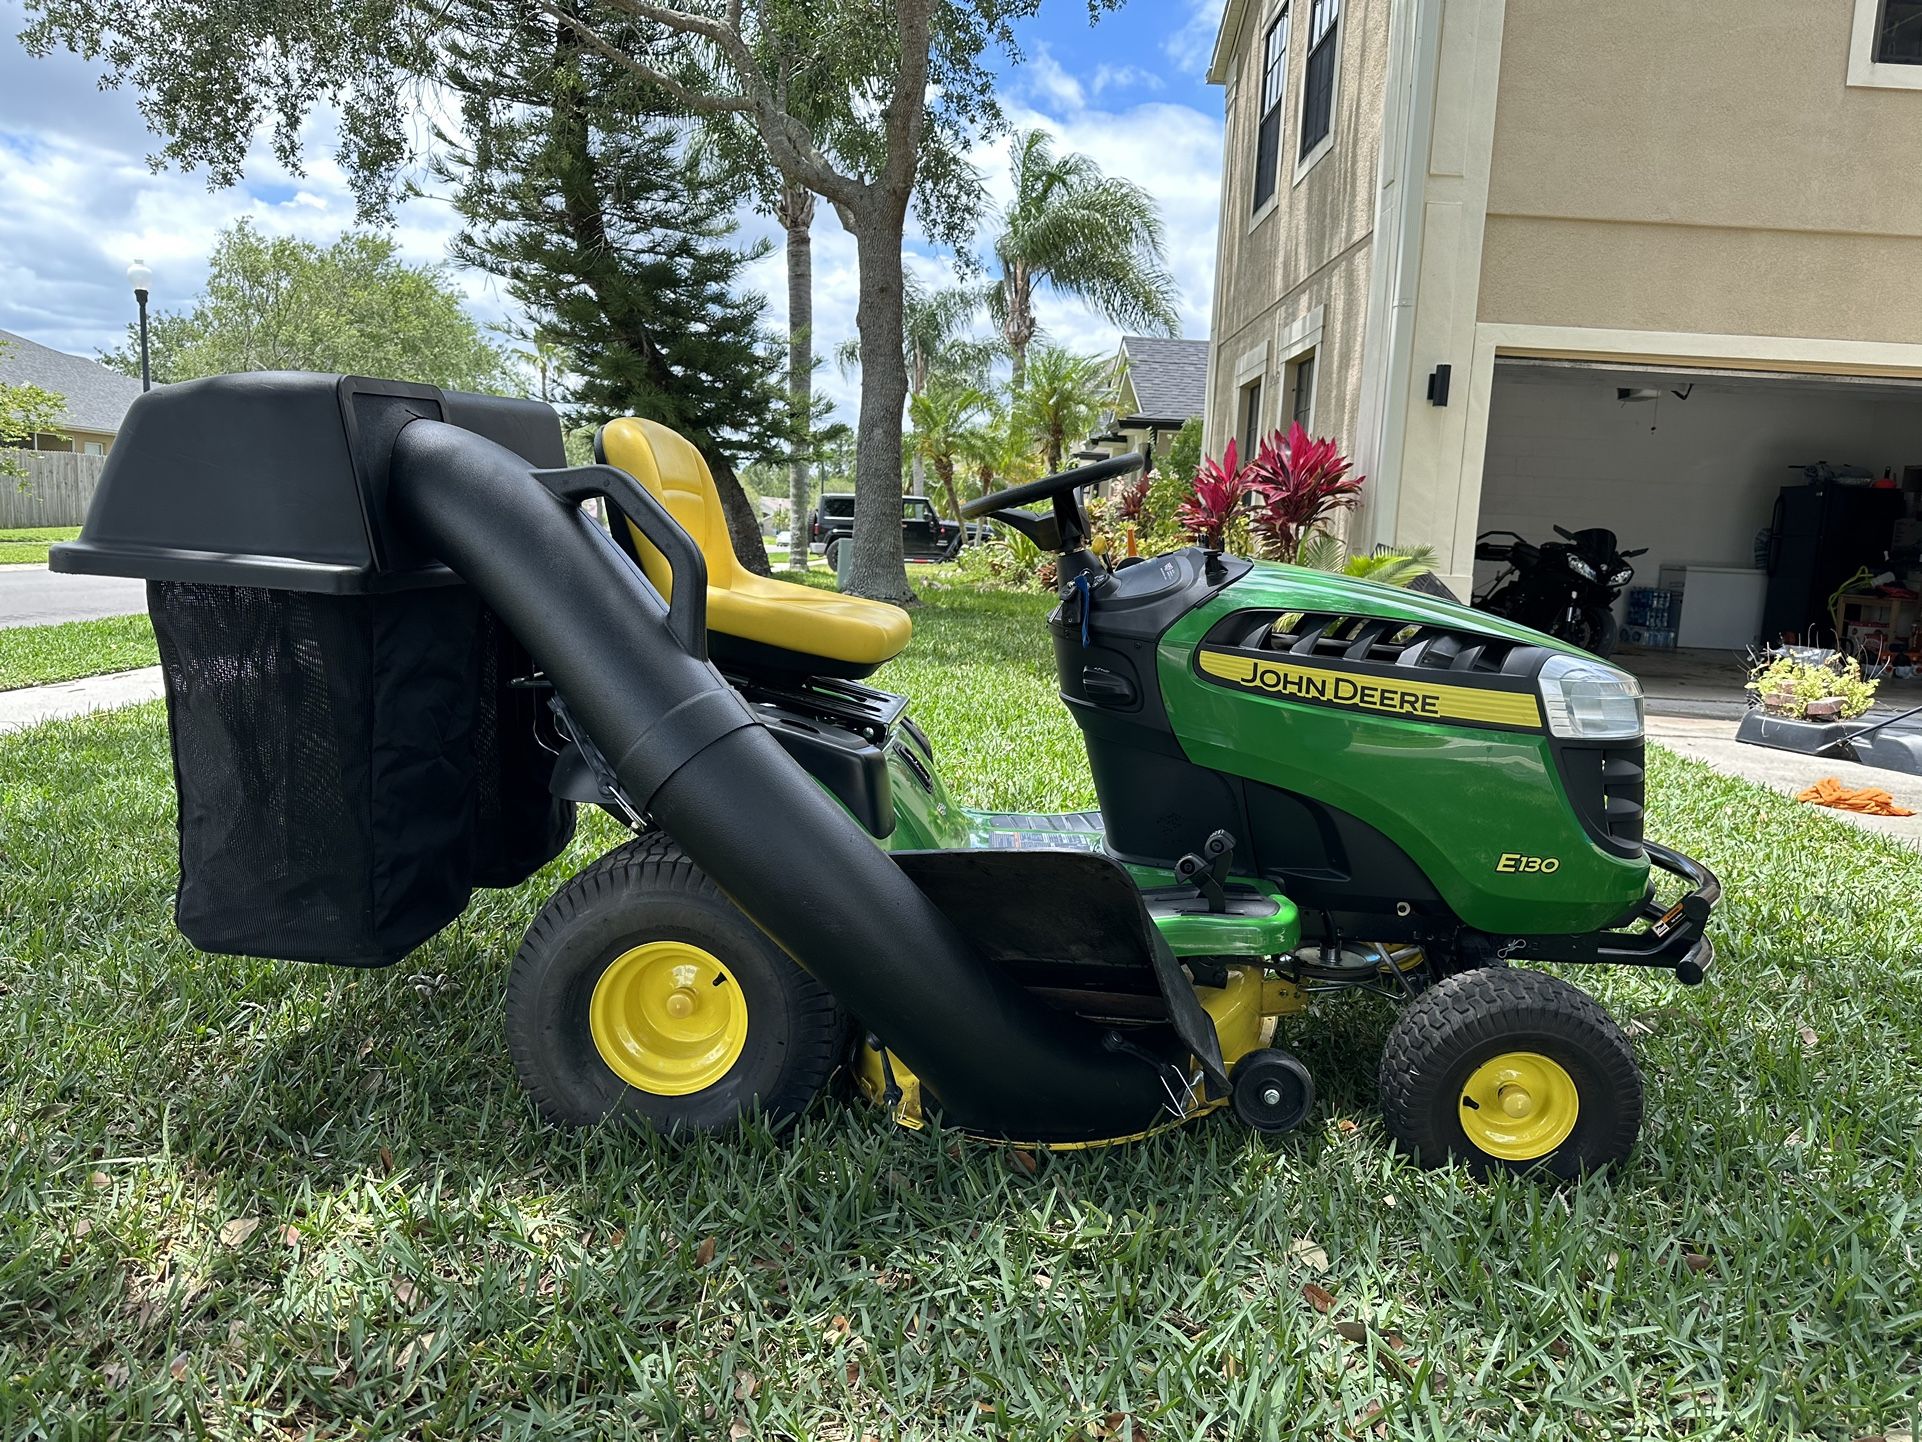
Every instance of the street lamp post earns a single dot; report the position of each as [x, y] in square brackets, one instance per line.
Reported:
[140, 277]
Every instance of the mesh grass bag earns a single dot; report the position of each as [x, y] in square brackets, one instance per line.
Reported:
[344, 769]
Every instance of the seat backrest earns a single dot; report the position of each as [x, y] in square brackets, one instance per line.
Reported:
[676, 474]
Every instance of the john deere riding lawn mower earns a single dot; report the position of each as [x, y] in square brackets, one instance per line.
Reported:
[399, 652]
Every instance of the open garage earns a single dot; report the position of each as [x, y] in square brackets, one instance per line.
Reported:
[1693, 463]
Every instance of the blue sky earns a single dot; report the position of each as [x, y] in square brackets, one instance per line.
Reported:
[82, 202]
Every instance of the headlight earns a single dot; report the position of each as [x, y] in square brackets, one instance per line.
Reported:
[1588, 701]
[1622, 577]
[1582, 569]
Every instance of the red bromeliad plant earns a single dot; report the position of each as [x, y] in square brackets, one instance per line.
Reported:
[1296, 486]
[1218, 489]
[1290, 488]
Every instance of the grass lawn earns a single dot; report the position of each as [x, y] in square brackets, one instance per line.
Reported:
[242, 1198]
[36, 655]
[30, 545]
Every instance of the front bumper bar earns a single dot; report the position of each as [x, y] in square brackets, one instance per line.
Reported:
[1675, 938]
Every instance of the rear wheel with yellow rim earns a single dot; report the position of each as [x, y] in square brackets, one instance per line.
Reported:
[641, 993]
[1510, 1070]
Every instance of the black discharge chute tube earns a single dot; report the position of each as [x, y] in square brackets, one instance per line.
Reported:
[999, 1060]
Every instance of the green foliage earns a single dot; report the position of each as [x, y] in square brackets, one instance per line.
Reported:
[277, 303]
[1060, 399]
[616, 242]
[942, 416]
[25, 411]
[1325, 551]
[1786, 684]
[1184, 452]
[1007, 560]
[1083, 233]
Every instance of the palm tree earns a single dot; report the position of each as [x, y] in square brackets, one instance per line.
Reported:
[1062, 399]
[1084, 234]
[942, 415]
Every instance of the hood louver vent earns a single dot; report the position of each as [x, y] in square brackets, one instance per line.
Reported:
[1385, 641]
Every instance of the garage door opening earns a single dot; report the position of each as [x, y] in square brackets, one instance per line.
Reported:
[1716, 473]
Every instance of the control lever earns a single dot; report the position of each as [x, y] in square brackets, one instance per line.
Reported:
[1208, 871]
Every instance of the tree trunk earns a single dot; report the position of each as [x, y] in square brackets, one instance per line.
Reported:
[797, 215]
[1019, 331]
[743, 516]
[945, 470]
[878, 569]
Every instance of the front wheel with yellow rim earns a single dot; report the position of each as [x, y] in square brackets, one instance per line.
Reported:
[643, 994]
[1510, 1070]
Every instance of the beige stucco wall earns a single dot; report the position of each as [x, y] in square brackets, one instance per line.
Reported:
[1311, 250]
[1700, 168]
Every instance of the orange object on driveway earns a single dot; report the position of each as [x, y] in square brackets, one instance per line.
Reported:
[1868, 800]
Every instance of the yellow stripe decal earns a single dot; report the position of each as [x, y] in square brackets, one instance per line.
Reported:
[1382, 695]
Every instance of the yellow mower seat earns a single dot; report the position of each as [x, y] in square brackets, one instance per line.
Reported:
[752, 621]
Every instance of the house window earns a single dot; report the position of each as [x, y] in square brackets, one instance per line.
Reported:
[1301, 406]
[1318, 85]
[1898, 33]
[1250, 419]
[1274, 77]
[93, 448]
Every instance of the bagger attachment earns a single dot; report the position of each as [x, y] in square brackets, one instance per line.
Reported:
[354, 580]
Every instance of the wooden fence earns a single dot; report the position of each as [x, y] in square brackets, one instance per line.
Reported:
[54, 492]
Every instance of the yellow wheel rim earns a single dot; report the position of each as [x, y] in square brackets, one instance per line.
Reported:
[668, 1018]
[1519, 1106]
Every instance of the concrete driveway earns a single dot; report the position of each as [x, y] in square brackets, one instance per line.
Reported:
[1712, 740]
[34, 596]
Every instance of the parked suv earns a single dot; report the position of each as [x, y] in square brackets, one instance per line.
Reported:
[925, 536]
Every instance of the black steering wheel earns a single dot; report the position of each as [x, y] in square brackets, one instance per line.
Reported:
[1070, 527]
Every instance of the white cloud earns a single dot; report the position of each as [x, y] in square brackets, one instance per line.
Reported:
[1192, 44]
[1124, 77]
[82, 202]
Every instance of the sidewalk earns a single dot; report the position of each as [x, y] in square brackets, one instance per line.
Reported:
[30, 705]
[1712, 742]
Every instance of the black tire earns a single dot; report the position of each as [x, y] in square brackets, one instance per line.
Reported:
[1598, 631]
[832, 555]
[1450, 1031]
[646, 890]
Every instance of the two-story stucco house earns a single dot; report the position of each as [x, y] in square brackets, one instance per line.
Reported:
[1535, 261]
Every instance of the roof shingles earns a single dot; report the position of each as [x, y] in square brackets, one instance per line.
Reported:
[1170, 377]
[96, 399]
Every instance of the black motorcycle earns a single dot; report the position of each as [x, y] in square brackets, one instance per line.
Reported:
[1566, 588]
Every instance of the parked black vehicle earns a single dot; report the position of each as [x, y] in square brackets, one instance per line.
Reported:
[925, 534]
[1567, 588]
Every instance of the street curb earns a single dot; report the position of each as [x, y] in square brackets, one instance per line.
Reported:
[65, 700]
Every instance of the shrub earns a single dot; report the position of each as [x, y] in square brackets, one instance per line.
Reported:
[1786, 684]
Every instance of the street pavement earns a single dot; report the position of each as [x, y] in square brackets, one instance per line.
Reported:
[34, 596]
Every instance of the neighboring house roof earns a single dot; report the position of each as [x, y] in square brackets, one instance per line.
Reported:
[96, 398]
[1169, 377]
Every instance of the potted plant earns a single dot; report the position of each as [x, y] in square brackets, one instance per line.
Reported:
[1801, 687]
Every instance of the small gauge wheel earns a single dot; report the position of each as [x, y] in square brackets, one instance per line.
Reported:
[1273, 1091]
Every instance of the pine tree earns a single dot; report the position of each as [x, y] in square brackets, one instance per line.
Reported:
[609, 237]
